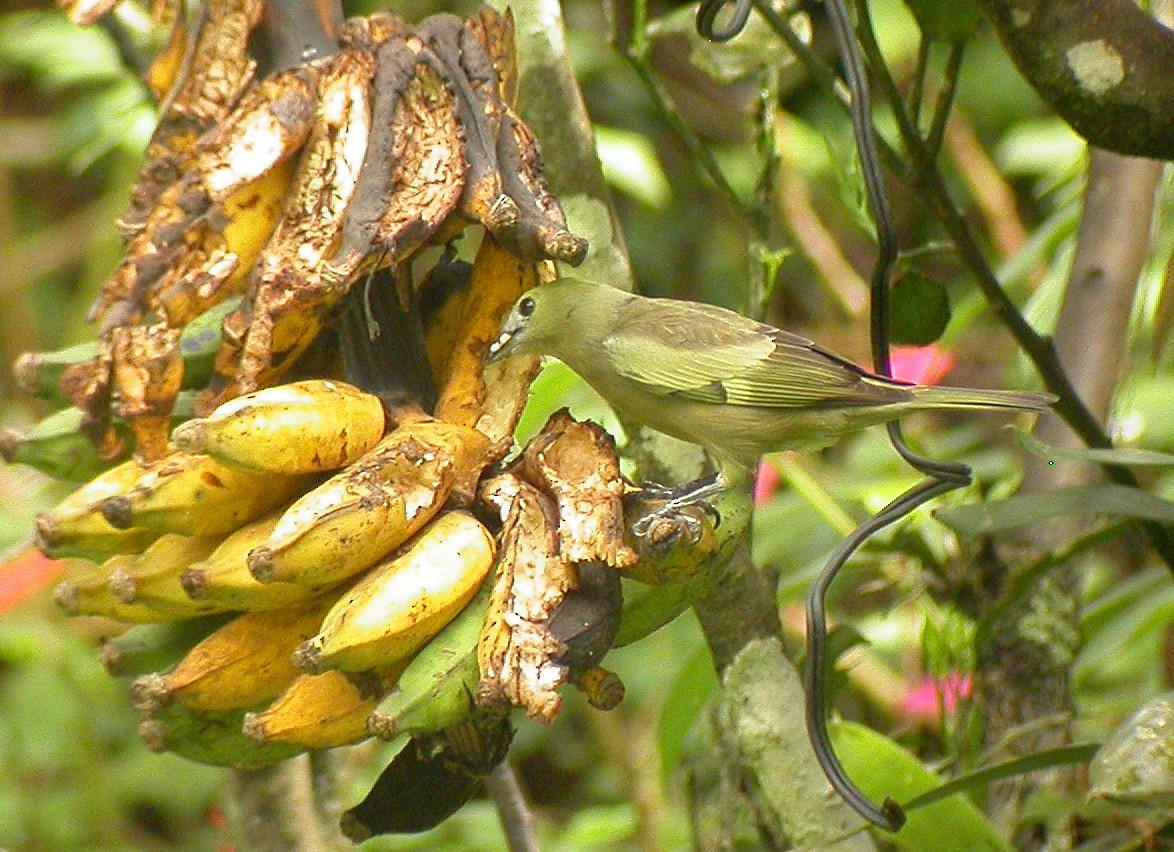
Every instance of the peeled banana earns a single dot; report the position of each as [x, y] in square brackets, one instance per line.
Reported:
[360, 515]
[402, 603]
[311, 426]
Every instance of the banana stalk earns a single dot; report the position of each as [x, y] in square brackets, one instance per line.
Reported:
[394, 610]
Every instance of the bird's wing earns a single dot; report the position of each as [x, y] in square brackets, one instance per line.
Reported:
[709, 354]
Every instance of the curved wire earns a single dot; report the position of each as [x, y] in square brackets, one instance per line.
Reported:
[889, 816]
[860, 113]
[708, 11]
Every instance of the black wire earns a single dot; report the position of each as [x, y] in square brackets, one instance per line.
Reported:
[708, 11]
[889, 816]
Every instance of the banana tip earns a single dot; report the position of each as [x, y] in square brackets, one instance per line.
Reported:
[111, 657]
[191, 437]
[149, 693]
[253, 727]
[47, 532]
[308, 657]
[122, 586]
[9, 444]
[118, 512]
[66, 597]
[194, 582]
[260, 561]
[152, 735]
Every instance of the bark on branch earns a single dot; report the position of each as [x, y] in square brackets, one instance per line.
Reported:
[1102, 65]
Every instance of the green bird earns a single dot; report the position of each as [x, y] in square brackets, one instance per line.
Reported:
[707, 375]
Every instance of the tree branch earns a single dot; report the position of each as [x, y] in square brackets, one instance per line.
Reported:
[1102, 65]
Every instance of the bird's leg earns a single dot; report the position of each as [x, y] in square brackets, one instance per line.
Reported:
[672, 500]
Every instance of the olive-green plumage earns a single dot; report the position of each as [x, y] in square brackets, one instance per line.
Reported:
[707, 375]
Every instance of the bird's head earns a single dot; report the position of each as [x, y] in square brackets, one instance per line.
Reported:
[546, 319]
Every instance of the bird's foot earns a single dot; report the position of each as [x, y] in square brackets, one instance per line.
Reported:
[673, 505]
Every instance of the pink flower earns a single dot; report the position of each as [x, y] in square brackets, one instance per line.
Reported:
[765, 483]
[923, 365]
[922, 701]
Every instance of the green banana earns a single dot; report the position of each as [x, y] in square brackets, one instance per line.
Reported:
[392, 611]
[436, 689]
[211, 738]
[311, 426]
[39, 373]
[55, 446]
[147, 648]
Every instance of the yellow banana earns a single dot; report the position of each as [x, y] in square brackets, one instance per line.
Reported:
[360, 515]
[75, 527]
[323, 710]
[394, 610]
[312, 426]
[153, 577]
[241, 665]
[223, 577]
[196, 495]
[147, 648]
[85, 590]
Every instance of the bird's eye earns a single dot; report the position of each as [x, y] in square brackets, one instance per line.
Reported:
[526, 306]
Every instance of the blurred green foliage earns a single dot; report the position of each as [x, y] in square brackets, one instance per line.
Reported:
[74, 121]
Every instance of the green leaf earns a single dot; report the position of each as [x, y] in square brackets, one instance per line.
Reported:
[920, 310]
[999, 516]
[883, 769]
[1127, 456]
[694, 685]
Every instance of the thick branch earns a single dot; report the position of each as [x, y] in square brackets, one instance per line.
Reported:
[1102, 65]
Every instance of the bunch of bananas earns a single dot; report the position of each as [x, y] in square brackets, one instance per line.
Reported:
[276, 604]
[308, 564]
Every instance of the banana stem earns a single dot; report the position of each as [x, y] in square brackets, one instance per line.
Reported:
[517, 820]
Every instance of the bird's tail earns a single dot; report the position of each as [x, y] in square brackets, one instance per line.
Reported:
[945, 397]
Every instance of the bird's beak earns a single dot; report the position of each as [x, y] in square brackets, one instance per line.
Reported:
[502, 347]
